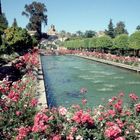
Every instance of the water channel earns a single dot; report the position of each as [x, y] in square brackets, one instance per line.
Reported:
[66, 75]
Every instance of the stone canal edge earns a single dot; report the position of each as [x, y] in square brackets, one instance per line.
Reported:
[41, 91]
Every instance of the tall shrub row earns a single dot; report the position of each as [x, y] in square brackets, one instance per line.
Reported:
[122, 44]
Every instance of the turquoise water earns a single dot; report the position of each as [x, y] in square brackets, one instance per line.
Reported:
[66, 75]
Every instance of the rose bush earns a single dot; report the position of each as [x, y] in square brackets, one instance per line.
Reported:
[120, 59]
[113, 121]
[21, 120]
[17, 102]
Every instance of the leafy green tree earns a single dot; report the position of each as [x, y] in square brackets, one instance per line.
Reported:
[93, 43]
[110, 32]
[89, 34]
[134, 42]
[18, 39]
[138, 27]
[3, 23]
[73, 35]
[104, 43]
[15, 23]
[36, 12]
[86, 43]
[34, 41]
[79, 33]
[120, 28]
[75, 44]
[81, 44]
[69, 44]
[121, 43]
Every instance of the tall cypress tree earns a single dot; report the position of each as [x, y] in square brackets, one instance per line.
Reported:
[3, 21]
[110, 32]
[15, 23]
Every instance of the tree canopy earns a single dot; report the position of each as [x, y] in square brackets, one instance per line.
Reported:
[120, 28]
[104, 42]
[138, 27]
[89, 33]
[79, 33]
[3, 23]
[134, 40]
[18, 39]
[36, 12]
[121, 42]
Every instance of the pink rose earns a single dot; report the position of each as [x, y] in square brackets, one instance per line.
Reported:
[112, 131]
[18, 113]
[57, 137]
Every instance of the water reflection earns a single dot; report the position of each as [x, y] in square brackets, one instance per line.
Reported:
[105, 89]
[66, 75]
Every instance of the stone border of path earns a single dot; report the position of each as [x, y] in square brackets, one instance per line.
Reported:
[128, 67]
[42, 98]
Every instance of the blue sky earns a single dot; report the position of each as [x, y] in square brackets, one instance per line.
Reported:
[74, 15]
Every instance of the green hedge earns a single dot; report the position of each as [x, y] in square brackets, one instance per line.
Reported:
[122, 43]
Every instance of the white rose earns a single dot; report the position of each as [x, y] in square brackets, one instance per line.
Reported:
[79, 137]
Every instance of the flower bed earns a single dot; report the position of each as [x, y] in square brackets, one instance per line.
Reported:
[17, 102]
[21, 120]
[120, 59]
